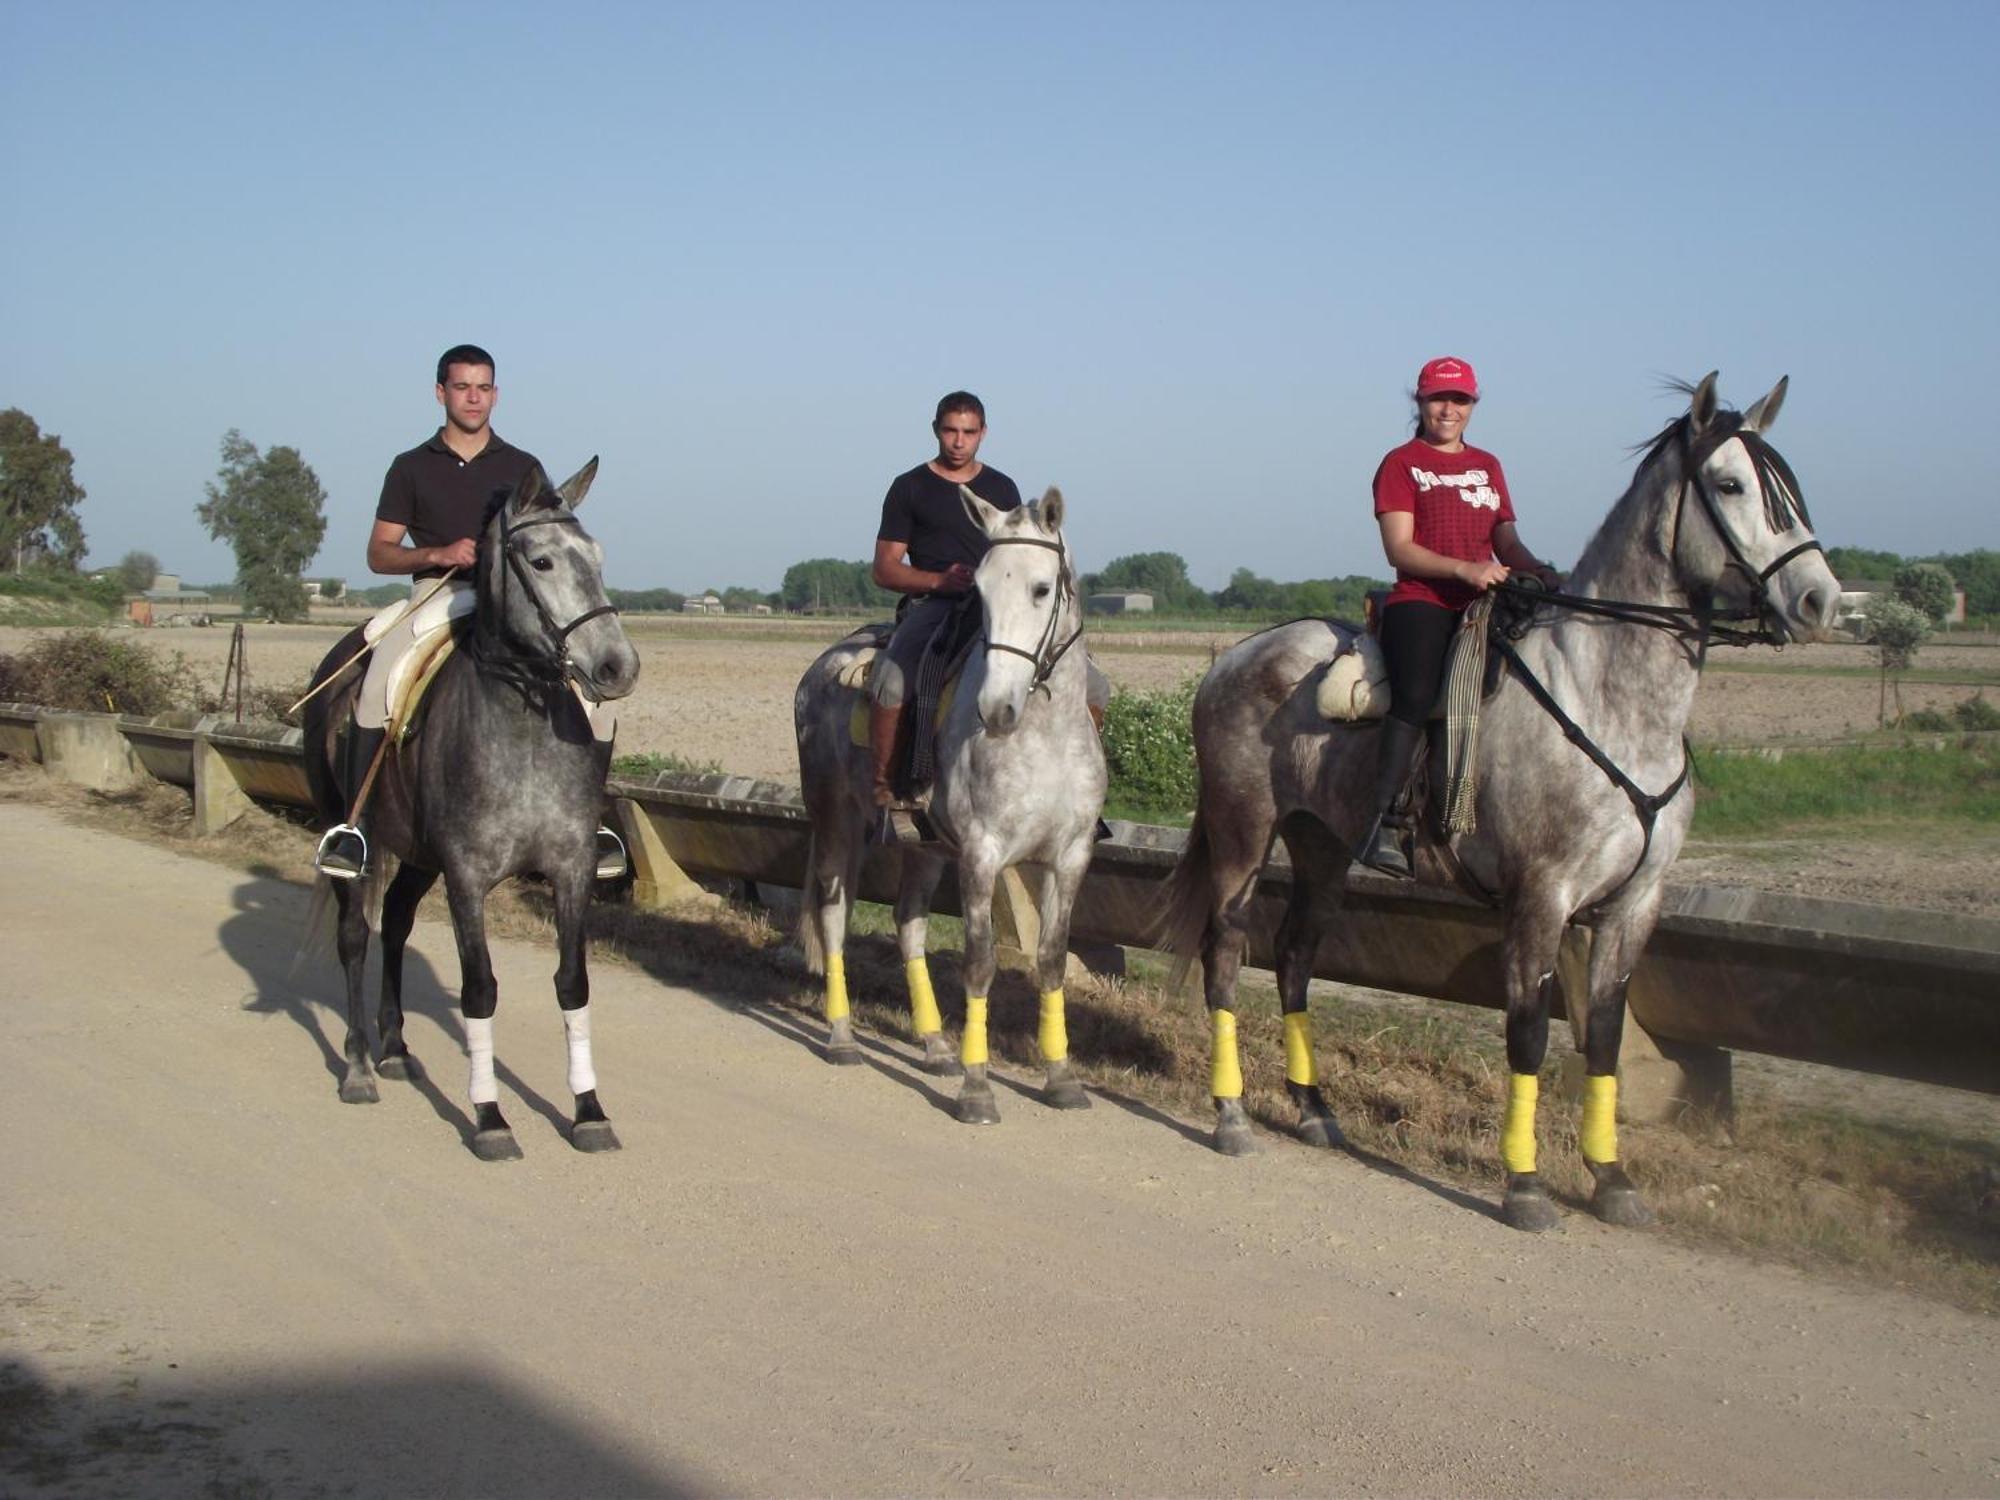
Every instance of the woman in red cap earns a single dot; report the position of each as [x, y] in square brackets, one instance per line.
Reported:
[1448, 529]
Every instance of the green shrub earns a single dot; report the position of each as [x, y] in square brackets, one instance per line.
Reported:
[1149, 749]
[1974, 713]
[652, 762]
[97, 673]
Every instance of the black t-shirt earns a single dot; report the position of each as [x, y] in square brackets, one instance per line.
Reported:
[925, 513]
[441, 498]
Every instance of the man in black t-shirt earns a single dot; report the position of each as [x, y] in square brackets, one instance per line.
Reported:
[927, 547]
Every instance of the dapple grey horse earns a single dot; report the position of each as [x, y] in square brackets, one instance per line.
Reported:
[1582, 797]
[1020, 781]
[500, 777]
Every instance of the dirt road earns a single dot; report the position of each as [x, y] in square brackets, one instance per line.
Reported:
[216, 1279]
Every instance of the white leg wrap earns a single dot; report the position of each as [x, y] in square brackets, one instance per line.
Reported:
[582, 1076]
[479, 1048]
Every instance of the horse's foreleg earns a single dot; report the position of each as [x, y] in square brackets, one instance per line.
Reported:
[592, 1130]
[977, 873]
[1614, 1199]
[1060, 1088]
[399, 914]
[921, 874]
[1533, 938]
[838, 868]
[478, 997]
[357, 1082]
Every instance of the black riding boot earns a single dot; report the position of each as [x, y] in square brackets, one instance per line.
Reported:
[1386, 847]
[343, 852]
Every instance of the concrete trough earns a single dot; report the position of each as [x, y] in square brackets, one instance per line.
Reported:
[18, 737]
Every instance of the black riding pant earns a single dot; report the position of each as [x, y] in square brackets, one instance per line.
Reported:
[1416, 636]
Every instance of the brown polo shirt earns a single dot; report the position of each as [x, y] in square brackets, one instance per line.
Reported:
[440, 498]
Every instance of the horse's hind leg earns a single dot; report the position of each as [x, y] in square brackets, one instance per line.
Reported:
[1060, 1088]
[1319, 871]
[592, 1130]
[1236, 854]
[977, 871]
[1534, 934]
[837, 867]
[357, 1083]
[399, 914]
[478, 997]
[921, 874]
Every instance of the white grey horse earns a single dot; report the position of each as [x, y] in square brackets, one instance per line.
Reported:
[1577, 821]
[500, 776]
[1020, 781]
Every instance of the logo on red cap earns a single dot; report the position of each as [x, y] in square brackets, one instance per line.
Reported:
[1447, 375]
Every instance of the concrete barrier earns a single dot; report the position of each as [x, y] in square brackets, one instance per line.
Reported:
[1885, 990]
[88, 750]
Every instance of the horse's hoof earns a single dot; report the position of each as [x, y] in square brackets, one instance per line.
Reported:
[977, 1107]
[1065, 1093]
[359, 1089]
[1616, 1200]
[1234, 1138]
[496, 1145]
[401, 1067]
[594, 1135]
[939, 1060]
[1527, 1207]
[843, 1054]
[1322, 1131]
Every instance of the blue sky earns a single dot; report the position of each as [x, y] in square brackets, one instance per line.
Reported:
[1190, 255]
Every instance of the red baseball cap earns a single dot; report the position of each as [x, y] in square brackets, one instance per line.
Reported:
[1447, 374]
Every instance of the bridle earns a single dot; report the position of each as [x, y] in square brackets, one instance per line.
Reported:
[555, 664]
[1046, 653]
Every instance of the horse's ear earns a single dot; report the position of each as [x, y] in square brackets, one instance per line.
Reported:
[1764, 411]
[982, 515]
[1701, 406]
[1051, 509]
[578, 484]
[528, 493]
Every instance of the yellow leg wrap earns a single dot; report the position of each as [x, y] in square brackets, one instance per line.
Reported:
[1517, 1132]
[1299, 1049]
[972, 1044]
[836, 986]
[923, 1004]
[1054, 1035]
[1598, 1134]
[1225, 1073]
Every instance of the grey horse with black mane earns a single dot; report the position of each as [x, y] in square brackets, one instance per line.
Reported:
[1582, 794]
[1020, 781]
[500, 776]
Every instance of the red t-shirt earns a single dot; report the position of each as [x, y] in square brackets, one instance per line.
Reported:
[1457, 498]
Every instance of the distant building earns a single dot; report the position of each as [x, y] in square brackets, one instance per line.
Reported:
[702, 604]
[167, 589]
[1118, 604]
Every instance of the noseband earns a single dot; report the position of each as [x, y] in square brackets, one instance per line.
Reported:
[557, 664]
[1046, 653]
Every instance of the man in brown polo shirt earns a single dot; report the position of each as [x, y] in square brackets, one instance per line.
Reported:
[427, 523]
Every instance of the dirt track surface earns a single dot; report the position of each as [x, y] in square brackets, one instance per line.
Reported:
[217, 1279]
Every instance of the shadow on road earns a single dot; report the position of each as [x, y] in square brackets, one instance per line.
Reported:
[442, 1428]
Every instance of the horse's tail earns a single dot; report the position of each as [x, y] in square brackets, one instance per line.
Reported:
[810, 940]
[1186, 906]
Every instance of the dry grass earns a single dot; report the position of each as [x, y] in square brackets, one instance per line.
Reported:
[1417, 1087]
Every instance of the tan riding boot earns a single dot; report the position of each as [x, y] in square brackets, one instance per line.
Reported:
[1096, 718]
[885, 733]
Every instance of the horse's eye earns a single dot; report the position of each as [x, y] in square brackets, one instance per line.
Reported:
[542, 565]
[1730, 486]
[1041, 592]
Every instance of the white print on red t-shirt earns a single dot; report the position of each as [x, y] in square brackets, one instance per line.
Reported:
[1472, 485]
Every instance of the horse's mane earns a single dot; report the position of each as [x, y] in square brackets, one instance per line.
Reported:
[1784, 502]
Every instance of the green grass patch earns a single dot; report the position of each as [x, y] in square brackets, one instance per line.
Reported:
[652, 762]
[1742, 795]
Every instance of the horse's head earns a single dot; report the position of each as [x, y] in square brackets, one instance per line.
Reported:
[541, 584]
[1027, 599]
[1747, 539]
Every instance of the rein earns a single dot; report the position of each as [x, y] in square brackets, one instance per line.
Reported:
[527, 671]
[1042, 657]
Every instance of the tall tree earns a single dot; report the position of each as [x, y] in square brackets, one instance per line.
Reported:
[1895, 630]
[136, 571]
[270, 508]
[1926, 586]
[38, 495]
